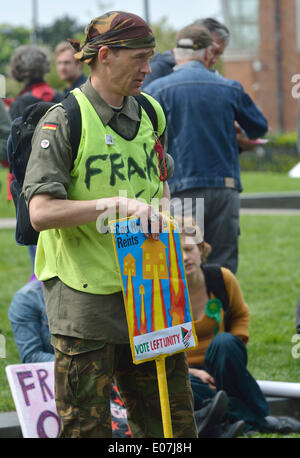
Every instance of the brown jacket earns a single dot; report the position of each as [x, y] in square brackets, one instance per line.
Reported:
[205, 327]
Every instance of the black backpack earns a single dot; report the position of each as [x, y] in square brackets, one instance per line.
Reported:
[215, 284]
[18, 153]
[19, 150]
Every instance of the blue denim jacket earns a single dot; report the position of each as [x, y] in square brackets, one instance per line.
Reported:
[27, 315]
[201, 107]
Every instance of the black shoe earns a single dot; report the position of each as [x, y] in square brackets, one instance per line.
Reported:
[212, 413]
[227, 430]
[281, 425]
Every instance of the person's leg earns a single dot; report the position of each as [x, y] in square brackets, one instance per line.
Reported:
[32, 251]
[201, 391]
[138, 387]
[226, 361]
[216, 211]
[120, 426]
[221, 226]
[82, 392]
[190, 203]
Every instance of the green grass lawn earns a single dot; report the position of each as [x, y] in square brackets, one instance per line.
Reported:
[7, 209]
[15, 271]
[269, 274]
[268, 182]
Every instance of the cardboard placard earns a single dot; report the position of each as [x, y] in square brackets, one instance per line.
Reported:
[158, 309]
[32, 388]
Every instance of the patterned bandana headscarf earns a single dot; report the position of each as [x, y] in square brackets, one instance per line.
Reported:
[115, 29]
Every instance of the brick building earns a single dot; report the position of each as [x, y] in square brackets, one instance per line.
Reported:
[264, 55]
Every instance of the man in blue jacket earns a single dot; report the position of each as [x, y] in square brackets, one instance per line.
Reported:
[201, 109]
[163, 64]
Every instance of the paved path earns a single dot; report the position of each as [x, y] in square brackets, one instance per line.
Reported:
[10, 223]
[283, 203]
[269, 211]
[271, 203]
[7, 223]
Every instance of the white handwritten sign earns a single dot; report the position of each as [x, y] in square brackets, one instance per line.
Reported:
[32, 388]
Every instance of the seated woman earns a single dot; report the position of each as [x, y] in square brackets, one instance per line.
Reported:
[222, 326]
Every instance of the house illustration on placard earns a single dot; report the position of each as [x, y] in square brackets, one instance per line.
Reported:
[176, 285]
[154, 259]
[129, 270]
[155, 268]
[129, 265]
[143, 320]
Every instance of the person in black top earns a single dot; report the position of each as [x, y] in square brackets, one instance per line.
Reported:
[29, 65]
[68, 69]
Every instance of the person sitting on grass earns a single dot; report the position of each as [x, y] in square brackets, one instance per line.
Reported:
[29, 322]
[220, 360]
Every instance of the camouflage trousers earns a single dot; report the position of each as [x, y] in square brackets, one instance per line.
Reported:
[83, 387]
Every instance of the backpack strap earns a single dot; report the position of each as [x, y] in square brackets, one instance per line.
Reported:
[72, 109]
[151, 112]
[215, 284]
[149, 108]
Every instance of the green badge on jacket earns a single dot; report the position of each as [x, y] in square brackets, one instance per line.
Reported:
[213, 309]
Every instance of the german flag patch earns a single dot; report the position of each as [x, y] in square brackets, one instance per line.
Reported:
[50, 126]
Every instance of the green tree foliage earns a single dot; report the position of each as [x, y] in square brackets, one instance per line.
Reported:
[61, 29]
[10, 38]
[104, 6]
[164, 35]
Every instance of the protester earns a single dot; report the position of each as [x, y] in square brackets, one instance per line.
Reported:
[68, 69]
[201, 107]
[28, 318]
[220, 35]
[76, 262]
[5, 123]
[163, 64]
[29, 65]
[220, 360]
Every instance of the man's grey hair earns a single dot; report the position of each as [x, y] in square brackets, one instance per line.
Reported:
[217, 27]
[190, 54]
[29, 63]
[192, 41]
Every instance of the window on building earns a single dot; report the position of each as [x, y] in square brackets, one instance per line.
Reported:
[241, 17]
